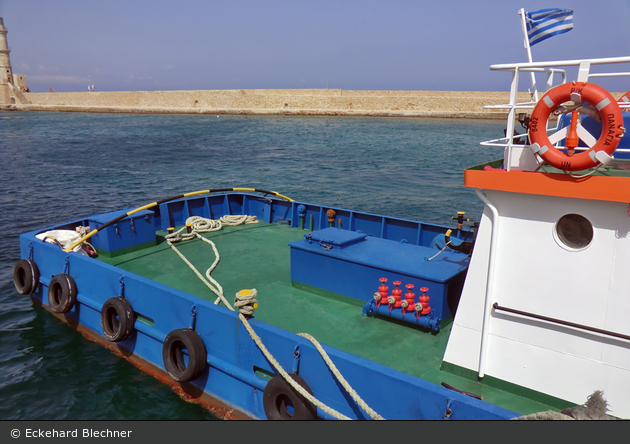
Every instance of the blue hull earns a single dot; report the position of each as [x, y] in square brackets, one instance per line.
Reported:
[237, 373]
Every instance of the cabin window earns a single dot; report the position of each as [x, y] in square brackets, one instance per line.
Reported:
[574, 231]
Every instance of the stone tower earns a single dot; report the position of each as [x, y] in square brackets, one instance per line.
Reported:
[12, 85]
[6, 74]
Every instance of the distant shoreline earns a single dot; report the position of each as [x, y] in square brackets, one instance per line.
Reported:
[291, 102]
[234, 111]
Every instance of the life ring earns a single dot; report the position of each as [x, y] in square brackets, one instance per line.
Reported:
[625, 98]
[609, 112]
[62, 293]
[283, 402]
[117, 319]
[26, 276]
[174, 359]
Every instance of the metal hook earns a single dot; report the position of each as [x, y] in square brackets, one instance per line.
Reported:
[193, 315]
[66, 267]
[122, 288]
[296, 356]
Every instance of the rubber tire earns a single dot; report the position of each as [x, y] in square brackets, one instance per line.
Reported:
[26, 276]
[278, 392]
[117, 319]
[62, 293]
[172, 354]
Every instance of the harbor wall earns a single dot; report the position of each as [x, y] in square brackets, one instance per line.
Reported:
[447, 104]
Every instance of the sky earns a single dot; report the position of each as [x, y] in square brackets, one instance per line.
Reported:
[126, 45]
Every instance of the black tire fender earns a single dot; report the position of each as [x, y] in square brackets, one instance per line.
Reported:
[62, 293]
[117, 319]
[175, 344]
[26, 276]
[282, 402]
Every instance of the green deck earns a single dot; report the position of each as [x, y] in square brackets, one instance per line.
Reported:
[258, 256]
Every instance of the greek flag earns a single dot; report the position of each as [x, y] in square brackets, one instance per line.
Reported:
[548, 22]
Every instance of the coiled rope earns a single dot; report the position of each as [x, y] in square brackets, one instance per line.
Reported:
[198, 225]
[246, 303]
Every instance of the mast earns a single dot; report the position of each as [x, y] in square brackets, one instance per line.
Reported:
[534, 91]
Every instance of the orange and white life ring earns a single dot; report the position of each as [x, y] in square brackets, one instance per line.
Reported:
[625, 98]
[609, 112]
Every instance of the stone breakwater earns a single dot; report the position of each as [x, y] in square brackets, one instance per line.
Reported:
[337, 102]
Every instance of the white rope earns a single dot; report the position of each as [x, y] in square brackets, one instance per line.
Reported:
[340, 378]
[238, 220]
[332, 412]
[579, 176]
[216, 288]
[203, 225]
[436, 254]
[246, 303]
[548, 415]
[198, 225]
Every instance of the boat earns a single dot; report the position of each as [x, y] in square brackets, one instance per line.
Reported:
[258, 306]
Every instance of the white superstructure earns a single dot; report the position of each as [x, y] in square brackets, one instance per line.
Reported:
[555, 247]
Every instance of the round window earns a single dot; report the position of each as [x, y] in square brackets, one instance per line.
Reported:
[574, 231]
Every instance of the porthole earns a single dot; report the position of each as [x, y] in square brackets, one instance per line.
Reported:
[574, 232]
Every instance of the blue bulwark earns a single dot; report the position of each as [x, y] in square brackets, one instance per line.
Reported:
[350, 264]
[131, 231]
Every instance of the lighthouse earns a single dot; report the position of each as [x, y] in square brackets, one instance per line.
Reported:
[11, 85]
[6, 74]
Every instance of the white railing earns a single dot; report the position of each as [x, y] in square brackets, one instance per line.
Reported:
[511, 142]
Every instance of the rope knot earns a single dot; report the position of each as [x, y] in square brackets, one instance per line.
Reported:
[245, 301]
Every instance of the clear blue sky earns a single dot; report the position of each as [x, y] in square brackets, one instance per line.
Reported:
[348, 44]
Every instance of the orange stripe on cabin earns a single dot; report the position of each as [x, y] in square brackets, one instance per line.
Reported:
[606, 188]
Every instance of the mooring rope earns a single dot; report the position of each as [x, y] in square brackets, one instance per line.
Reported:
[246, 303]
[216, 289]
[340, 378]
[198, 225]
[332, 412]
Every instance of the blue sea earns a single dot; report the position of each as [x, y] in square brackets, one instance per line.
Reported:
[55, 167]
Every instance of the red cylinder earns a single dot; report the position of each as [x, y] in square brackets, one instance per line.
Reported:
[410, 298]
[424, 300]
[383, 290]
[397, 294]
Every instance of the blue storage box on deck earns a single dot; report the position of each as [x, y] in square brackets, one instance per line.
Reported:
[343, 262]
[135, 231]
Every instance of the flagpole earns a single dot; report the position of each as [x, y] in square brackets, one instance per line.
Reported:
[528, 48]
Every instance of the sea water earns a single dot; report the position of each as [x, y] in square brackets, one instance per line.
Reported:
[56, 167]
